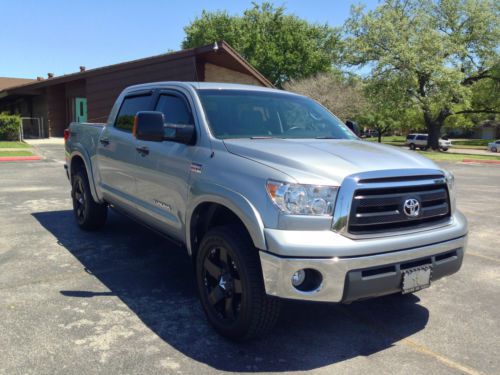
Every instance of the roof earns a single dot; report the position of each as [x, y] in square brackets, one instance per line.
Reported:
[7, 82]
[203, 51]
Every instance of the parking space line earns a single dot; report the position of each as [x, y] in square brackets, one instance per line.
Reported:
[441, 358]
[411, 344]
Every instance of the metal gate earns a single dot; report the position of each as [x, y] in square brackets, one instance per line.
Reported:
[31, 128]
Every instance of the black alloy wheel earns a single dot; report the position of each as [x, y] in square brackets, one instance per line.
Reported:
[231, 286]
[89, 214]
[222, 284]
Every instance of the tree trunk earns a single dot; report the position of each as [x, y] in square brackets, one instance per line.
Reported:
[434, 127]
[379, 137]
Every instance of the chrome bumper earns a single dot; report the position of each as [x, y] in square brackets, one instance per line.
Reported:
[343, 277]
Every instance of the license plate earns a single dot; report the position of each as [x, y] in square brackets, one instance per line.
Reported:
[415, 279]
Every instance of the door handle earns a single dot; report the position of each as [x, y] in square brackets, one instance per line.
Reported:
[142, 150]
[104, 141]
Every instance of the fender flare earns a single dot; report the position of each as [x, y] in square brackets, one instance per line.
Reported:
[237, 203]
[80, 152]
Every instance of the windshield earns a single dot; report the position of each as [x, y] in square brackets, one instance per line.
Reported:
[257, 114]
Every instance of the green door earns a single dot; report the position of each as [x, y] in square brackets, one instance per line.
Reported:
[81, 109]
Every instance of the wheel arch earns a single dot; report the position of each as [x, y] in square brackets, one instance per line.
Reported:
[77, 162]
[212, 210]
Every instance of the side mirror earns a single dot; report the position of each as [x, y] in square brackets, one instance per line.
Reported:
[353, 126]
[182, 133]
[148, 126]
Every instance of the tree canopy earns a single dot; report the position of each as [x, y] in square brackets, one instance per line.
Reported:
[281, 46]
[438, 57]
[342, 95]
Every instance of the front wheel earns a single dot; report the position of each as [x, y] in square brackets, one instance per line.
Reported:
[493, 149]
[231, 287]
[444, 148]
[89, 214]
[412, 146]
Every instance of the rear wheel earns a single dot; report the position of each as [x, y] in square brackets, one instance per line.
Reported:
[230, 285]
[89, 214]
[444, 148]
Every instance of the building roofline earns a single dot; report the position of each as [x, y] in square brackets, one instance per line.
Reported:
[196, 51]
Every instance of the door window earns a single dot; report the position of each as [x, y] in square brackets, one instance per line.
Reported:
[130, 106]
[175, 110]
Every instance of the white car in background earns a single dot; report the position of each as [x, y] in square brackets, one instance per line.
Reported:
[420, 140]
[494, 146]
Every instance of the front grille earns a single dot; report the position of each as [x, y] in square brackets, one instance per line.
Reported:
[382, 209]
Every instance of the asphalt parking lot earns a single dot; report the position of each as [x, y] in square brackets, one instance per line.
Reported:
[122, 301]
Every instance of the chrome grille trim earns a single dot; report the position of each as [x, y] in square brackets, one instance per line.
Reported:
[394, 179]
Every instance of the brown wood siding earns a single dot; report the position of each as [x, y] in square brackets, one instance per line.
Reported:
[102, 90]
[56, 110]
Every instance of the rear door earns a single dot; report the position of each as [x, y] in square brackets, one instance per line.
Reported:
[163, 172]
[117, 152]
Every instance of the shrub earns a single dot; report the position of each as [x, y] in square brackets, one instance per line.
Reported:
[9, 127]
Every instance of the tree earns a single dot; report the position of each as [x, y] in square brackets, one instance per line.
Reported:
[341, 95]
[435, 54]
[279, 45]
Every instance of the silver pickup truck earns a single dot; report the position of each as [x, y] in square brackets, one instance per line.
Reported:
[272, 195]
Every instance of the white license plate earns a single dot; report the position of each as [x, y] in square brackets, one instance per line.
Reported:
[417, 278]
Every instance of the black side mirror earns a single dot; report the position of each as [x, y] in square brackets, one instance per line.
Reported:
[353, 126]
[182, 133]
[148, 126]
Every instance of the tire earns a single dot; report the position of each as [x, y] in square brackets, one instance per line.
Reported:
[89, 214]
[231, 287]
[424, 148]
[412, 146]
[493, 149]
[444, 148]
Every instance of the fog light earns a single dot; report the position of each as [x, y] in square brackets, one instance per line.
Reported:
[298, 277]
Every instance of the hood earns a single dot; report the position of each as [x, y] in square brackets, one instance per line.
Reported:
[319, 161]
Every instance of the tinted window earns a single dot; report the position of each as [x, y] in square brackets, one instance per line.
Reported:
[129, 108]
[175, 110]
[422, 137]
[410, 136]
[246, 114]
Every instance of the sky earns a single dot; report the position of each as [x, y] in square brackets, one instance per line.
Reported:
[58, 36]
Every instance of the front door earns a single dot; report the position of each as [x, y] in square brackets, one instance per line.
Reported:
[163, 174]
[117, 153]
[80, 110]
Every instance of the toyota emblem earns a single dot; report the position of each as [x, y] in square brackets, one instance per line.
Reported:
[411, 207]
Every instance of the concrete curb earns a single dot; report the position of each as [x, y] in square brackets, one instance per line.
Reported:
[19, 158]
[481, 161]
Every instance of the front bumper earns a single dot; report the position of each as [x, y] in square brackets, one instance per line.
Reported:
[357, 275]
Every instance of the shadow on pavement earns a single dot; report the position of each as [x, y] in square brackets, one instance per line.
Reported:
[154, 278]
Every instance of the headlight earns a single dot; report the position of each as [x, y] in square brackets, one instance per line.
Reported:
[450, 181]
[298, 199]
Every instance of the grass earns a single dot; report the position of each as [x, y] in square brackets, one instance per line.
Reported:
[9, 144]
[472, 144]
[445, 156]
[390, 140]
[15, 153]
